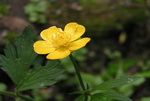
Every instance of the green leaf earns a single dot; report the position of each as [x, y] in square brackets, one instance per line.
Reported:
[80, 98]
[109, 96]
[17, 63]
[24, 45]
[128, 89]
[145, 74]
[3, 87]
[18, 57]
[91, 79]
[41, 76]
[115, 83]
[10, 51]
[98, 97]
[145, 99]
[15, 68]
[118, 97]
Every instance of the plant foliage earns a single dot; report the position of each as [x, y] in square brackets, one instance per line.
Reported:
[17, 63]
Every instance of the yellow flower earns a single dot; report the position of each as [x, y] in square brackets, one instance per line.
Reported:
[58, 43]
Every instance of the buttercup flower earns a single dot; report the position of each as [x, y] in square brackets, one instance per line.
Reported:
[58, 43]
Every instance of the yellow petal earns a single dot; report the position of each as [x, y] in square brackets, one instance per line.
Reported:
[58, 54]
[43, 47]
[78, 44]
[47, 34]
[74, 30]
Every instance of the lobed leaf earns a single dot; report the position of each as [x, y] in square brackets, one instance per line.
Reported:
[115, 83]
[41, 76]
[80, 98]
[10, 51]
[98, 97]
[111, 96]
[18, 57]
[24, 45]
[15, 68]
[17, 63]
[118, 97]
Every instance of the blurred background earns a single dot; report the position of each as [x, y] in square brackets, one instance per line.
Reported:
[120, 33]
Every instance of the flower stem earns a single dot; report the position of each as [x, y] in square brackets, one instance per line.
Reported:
[77, 71]
[78, 75]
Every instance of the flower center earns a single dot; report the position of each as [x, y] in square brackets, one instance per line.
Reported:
[60, 40]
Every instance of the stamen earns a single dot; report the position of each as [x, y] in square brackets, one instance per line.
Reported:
[61, 39]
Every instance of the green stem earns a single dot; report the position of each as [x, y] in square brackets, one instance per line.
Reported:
[16, 96]
[79, 75]
[8, 93]
[77, 71]
[17, 99]
[86, 98]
